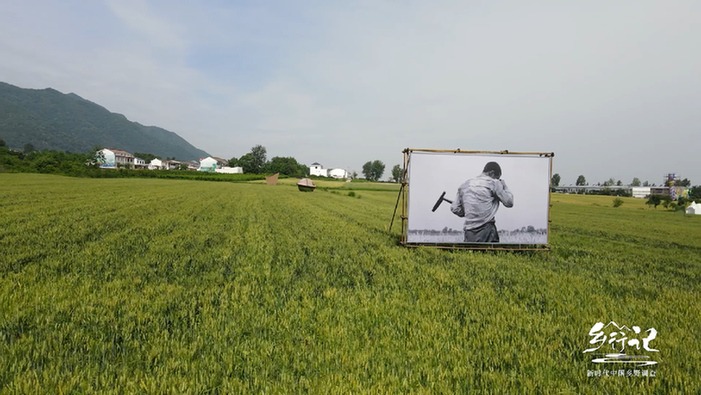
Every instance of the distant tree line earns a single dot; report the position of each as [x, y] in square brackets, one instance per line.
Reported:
[680, 203]
[84, 165]
[582, 181]
[29, 160]
[256, 162]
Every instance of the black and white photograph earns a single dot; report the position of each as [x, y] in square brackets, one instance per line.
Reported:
[478, 198]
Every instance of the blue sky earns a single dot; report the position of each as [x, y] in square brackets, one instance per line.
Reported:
[613, 88]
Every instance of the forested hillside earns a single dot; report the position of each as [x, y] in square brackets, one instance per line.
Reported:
[49, 119]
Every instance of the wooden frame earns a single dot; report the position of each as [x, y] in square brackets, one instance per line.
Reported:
[529, 172]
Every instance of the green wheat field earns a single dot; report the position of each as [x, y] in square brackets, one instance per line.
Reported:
[191, 287]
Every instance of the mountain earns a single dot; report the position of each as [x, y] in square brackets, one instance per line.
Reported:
[49, 119]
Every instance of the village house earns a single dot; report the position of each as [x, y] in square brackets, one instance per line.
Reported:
[114, 158]
[211, 164]
[139, 163]
[156, 164]
[316, 169]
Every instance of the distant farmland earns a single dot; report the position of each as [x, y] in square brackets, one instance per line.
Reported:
[177, 286]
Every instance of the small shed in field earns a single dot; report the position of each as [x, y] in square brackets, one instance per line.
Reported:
[694, 209]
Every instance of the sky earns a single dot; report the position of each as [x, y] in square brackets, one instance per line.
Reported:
[612, 88]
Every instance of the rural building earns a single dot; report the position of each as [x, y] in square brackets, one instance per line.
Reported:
[338, 173]
[640, 192]
[316, 169]
[192, 164]
[108, 160]
[160, 164]
[171, 164]
[694, 209]
[588, 189]
[207, 164]
[113, 158]
[123, 158]
[139, 163]
[156, 164]
[211, 163]
[673, 192]
[659, 191]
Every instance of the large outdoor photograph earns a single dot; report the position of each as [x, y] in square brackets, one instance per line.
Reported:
[478, 198]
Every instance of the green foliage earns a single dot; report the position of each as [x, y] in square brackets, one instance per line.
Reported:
[177, 175]
[617, 202]
[170, 286]
[51, 162]
[555, 180]
[396, 173]
[695, 193]
[581, 181]
[86, 165]
[635, 182]
[373, 170]
[285, 165]
[680, 204]
[9, 160]
[669, 204]
[254, 161]
[246, 162]
[364, 185]
[654, 200]
[50, 120]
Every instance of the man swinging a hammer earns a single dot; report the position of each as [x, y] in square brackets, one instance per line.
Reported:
[478, 201]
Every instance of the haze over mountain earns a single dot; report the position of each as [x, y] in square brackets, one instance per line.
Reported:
[49, 119]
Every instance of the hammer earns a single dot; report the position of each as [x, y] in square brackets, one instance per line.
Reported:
[439, 201]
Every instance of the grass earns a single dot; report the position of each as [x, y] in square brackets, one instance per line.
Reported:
[343, 185]
[174, 286]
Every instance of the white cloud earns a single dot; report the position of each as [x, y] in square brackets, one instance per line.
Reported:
[609, 87]
[147, 28]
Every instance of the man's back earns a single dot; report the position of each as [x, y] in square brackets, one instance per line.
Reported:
[478, 200]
